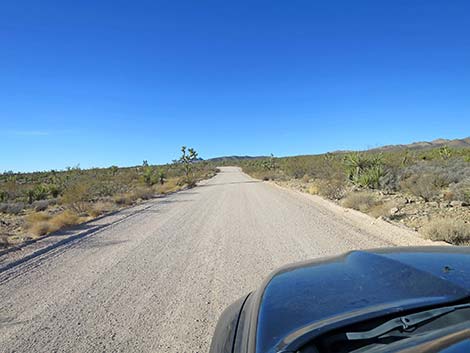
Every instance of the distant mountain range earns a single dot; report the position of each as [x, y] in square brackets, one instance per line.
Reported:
[233, 158]
[455, 143]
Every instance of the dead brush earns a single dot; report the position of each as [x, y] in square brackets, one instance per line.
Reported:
[125, 199]
[450, 230]
[65, 219]
[361, 201]
[100, 207]
[143, 193]
[40, 223]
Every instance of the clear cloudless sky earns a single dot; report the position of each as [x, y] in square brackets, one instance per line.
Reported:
[116, 82]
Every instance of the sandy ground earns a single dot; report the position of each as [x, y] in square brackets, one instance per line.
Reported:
[155, 278]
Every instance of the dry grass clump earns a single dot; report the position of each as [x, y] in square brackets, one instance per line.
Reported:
[170, 186]
[40, 223]
[361, 201]
[450, 230]
[64, 219]
[100, 207]
[129, 198]
[381, 209]
[41, 228]
[37, 217]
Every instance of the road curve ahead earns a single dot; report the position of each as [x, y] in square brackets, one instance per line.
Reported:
[157, 280]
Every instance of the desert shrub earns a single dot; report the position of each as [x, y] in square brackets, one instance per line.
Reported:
[381, 209]
[445, 152]
[361, 201]
[446, 172]
[171, 185]
[424, 186]
[40, 205]
[76, 196]
[125, 199]
[4, 241]
[64, 219]
[99, 208]
[3, 207]
[54, 190]
[3, 196]
[296, 168]
[313, 189]
[333, 189]
[390, 181]
[40, 192]
[40, 223]
[267, 175]
[363, 170]
[370, 177]
[41, 228]
[13, 208]
[148, 176]
[36, 217]
[460, 191]
[143, 193]
[11, 187]
[450, 230]
[161, 176]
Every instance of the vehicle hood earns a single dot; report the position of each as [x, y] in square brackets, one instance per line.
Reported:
[303, 300]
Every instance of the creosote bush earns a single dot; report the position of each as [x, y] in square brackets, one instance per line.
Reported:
[333, 189]
[426, 186]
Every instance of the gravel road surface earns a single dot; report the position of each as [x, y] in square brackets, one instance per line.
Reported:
[157, 279]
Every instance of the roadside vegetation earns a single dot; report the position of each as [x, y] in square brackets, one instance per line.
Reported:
[427, 190]
[36, 204]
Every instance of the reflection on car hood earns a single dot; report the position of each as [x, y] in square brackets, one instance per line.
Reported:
[314, 296]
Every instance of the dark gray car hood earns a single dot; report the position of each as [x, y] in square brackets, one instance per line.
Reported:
[303, 300]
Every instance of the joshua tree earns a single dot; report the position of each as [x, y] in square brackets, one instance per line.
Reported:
[188, 157]
[161, 176]
[445, 152]
[148, 176]
[113, 169]
[270, 163]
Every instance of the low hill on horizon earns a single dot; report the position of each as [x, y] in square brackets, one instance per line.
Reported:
[420, 145]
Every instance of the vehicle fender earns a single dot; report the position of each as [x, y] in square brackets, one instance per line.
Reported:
[225, 331]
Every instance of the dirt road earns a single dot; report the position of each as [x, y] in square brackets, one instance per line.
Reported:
[157, 280]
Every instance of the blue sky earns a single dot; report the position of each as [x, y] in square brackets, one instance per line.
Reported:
[116, 82]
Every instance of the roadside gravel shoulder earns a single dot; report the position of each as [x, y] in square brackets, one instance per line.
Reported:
[392, 233]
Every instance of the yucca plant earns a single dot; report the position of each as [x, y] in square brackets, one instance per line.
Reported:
[363, 171]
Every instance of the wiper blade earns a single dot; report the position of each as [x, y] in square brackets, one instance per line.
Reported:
[404, 322]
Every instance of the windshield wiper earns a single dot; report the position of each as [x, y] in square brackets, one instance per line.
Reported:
[404, 322]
